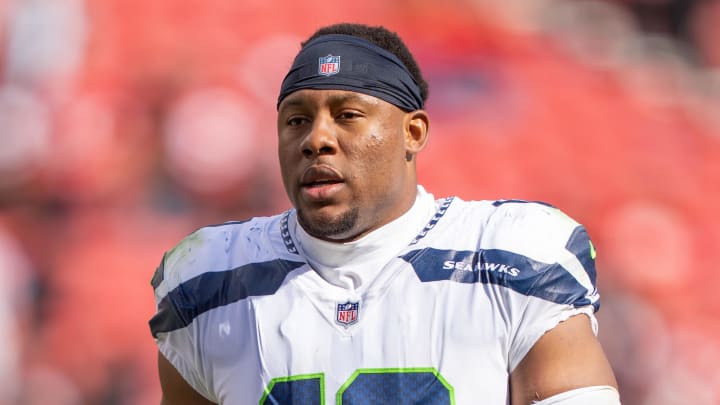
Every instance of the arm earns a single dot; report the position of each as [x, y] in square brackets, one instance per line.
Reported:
[567, 357]
[175, 390]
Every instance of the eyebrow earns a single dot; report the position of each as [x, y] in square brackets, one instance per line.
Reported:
[342, 98]
[334, 99]
[291, 102]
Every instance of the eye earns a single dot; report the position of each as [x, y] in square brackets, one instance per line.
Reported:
[295, 121]
[349, 115]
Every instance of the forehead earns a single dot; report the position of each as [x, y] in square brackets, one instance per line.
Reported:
[318, 97]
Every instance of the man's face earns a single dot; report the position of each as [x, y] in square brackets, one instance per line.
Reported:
[343, 161]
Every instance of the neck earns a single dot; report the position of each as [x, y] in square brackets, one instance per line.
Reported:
[386, 217]
[353, 264]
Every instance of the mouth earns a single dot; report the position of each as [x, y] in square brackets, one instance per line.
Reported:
[316, 176]
[320, 182]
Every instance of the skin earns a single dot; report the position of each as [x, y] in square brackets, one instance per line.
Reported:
[348, 166]
[175, 390]
[359, 143]
[567, 357]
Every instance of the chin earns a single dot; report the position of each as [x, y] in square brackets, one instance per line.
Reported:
[335, 227]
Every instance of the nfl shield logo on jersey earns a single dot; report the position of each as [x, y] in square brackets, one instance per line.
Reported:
[329, 65]
[347, 313]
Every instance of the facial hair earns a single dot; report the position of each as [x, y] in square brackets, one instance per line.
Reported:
[329, 228]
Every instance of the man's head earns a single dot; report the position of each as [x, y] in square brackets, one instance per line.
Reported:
[383, 38]
[350, 122]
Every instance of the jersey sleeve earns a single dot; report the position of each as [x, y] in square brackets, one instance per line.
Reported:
[172, 326]
[557, 279]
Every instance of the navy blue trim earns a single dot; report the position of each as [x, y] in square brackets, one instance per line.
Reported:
[290, 245]
[215, 289]
[500, 267]
[434, 220]
[501, 202]
[159, 274]
[285, 233]
[579, 244]
[229, 223]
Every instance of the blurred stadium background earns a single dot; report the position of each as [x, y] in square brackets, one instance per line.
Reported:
[126, 124]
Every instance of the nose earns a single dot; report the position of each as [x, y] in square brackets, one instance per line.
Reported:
[321, 140]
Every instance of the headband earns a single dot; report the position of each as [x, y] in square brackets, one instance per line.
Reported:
[345, 62]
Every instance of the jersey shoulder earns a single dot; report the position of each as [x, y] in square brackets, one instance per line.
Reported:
[218, 265]
[535, 229]
[556, 248]
[215, 248]
[532, 248]
[528, 227]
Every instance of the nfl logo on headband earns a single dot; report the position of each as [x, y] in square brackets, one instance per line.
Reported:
[347, 314]
[329, 65]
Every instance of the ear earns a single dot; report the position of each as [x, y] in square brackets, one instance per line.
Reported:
[416, 132]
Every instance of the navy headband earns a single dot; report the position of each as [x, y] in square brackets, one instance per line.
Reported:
[345, 62]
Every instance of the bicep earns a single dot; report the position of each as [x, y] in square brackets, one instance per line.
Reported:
[568, 356]
[175, 390]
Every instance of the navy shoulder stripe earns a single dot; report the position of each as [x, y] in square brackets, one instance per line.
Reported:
[500, 267]
[498, 203]
[159, 274]
[229, 223]
[580, 245]
[215, 289]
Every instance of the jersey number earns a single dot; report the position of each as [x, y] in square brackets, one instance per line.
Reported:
[377, 386]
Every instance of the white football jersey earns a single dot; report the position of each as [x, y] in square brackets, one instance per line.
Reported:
[245, 320]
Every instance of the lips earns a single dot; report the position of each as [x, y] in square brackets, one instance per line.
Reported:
[319, 176]
[321, 184]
